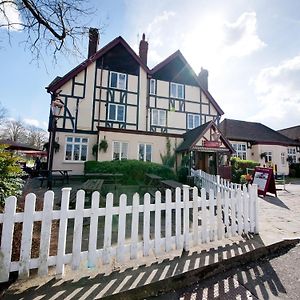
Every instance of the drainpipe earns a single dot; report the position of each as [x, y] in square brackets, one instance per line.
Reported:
[147, 101]
[99, 105]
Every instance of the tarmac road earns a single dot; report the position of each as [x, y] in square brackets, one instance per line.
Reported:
[272, 278]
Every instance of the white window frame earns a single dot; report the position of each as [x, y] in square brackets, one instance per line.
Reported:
[193, 116]
[240, 150]
[283, 158]
[119, 86]
[268, 156]
[145, 152]
[74, 143]
[116, 112]
[292, 153]
[176, 95]
[160, 113]
[152, 87]
[121, 148]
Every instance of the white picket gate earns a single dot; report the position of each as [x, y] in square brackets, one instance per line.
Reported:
[188, 220]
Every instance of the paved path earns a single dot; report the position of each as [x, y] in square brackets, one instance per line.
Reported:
[279, 219]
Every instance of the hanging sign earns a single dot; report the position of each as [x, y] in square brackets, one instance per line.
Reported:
[212, 144]
[264, 178]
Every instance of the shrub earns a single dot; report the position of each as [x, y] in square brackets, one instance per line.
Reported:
[134, 170]
[10, 175]
[295, 170]
[239, 167]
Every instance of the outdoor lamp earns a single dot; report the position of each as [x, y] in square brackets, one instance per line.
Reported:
[216, 136]
[56, 107]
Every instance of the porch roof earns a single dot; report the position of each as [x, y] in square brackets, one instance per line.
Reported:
[191, 137]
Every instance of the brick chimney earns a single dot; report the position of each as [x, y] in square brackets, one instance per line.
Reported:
[93, 41]
[143, 50]
[203, 78]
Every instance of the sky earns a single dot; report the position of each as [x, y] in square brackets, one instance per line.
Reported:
[251, 50]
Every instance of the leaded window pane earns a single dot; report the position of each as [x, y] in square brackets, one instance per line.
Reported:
[113, 80]
[122, 81]
[148, 152]
[162, 118]
[120, 116]
[76, 152]
[112, 112]
[141, 151]
[155, 117]
[68, 152]
[180, 91]
[124, 153]
[173, 90]
[116, 151]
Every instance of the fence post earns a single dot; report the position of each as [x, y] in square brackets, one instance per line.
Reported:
[157, 226]
[63, 222]
[226, 212]
[233, 213]
[46, 233]
[168, 221]
[255, 194]
[92, 250]
[186, 224]
[7, 237]
[212, 203]
[195, 217]
[205, 237]
[134, 225]
[146, 224]
[178, 217]
[77, 234]
[121, 228]
[107, 228]
[219, 217]
[239, 200]
[26, 240]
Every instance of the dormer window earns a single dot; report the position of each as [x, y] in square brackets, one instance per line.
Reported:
[177, 90]
[117, 80]
[152, 86]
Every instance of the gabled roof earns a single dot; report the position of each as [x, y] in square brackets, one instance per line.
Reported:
[291, 132]
[12, 145]
[58, 82]
[255, 133]
[191, 137]
[179, 55]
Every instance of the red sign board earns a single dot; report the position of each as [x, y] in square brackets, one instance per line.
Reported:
[264, 178]
[211, 144]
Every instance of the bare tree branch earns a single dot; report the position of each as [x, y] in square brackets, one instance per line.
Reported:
[51, 25]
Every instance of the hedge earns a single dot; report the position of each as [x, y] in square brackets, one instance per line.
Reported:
[134, 170]
[295, 170]
[239, 167]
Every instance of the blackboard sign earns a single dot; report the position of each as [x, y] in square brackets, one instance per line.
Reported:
[264, 178]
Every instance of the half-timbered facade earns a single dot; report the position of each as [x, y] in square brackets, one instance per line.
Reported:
[114, 97]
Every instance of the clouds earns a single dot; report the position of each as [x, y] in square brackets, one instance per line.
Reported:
[278, 92]
[9, 16]
[240, 37]
[35, 123]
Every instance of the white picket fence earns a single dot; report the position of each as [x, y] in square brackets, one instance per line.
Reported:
[214, 182]
[188, 220]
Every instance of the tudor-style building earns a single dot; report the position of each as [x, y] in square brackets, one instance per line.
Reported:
[114, 96]
[255, 141]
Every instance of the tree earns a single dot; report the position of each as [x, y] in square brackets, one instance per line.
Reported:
[50, 25]
[36, 137]
[14, 131]
[10, 175]
[3, 113]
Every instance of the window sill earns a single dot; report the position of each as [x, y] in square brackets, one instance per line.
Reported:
[74, 161]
